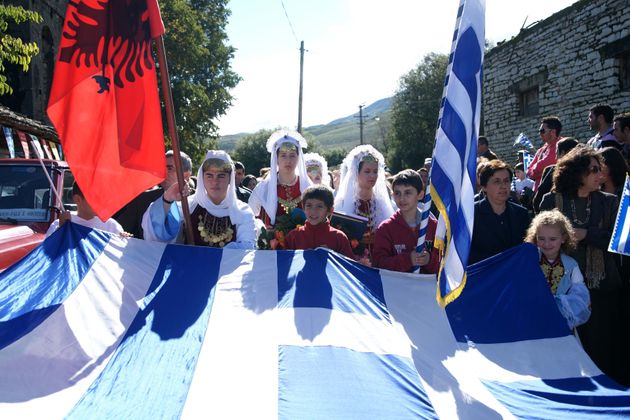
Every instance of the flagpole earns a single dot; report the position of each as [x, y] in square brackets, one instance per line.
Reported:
[172, 129]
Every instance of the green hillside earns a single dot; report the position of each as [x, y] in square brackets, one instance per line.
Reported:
[343, 132]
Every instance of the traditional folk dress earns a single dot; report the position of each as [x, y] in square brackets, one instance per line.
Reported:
[379, 208]
[269, 198]
[228, 224]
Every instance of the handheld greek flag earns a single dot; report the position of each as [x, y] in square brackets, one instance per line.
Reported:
[527, 160]
[424, 223]
[95, 326]
[620, 240]
[453, 179]
[523, 140]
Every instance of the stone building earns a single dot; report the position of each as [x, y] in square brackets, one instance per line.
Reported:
[31, 89]
[560, 66]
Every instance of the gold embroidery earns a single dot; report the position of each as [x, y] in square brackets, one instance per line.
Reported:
[216, 232]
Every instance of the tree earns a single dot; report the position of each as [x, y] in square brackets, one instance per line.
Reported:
[334, 157]
[252, 152]
[12, 49]
[415, 113]
[199, 65]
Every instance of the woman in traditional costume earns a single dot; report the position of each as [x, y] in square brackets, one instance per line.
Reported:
[317, 169]
[219, 219]
[281, 192]
[363, 190]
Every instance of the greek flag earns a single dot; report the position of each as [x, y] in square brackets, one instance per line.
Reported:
[95, 326]
[620, 240]
[454, 156]
[527, 160]
[523, 140]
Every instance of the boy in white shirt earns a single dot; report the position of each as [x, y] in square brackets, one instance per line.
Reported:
[84, 216]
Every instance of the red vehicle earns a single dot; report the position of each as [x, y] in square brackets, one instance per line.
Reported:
[28, 205]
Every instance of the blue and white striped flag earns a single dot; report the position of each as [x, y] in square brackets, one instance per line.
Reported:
[453, 179]
[527, 160]
[620, 240]
[93, 325]
[523, 140]
[9, 138]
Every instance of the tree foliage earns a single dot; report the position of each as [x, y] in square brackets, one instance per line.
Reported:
[13, 49]
[334, 157]
[415, 113]
[251, 151]
[199, 61]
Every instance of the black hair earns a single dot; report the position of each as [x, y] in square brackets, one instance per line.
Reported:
[239, 165]
[319, 192]
[76, 190]
[408, 177]
[605, 110]
[553, 123]
[482, 140]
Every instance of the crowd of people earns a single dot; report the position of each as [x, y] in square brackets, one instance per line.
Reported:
[564, 202]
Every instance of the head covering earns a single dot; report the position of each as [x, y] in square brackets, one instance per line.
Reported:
[428, 161]
[270, 203]
[348, 193]
[200, 197]
[315, 159]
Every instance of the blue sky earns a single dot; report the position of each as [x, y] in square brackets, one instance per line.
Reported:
[357, 50]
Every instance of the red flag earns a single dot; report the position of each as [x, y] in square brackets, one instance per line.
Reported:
[104, 100]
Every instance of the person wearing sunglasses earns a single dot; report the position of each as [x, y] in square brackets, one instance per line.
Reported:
[550, 128]
[576, 193]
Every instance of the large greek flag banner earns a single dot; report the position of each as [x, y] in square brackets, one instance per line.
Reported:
[455, 154]
[620, 240]
[94, 326]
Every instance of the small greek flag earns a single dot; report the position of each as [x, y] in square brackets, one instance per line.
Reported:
[523, 140]
[527, 159]
[619, 242]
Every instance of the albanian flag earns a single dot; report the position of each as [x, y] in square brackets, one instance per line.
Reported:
[104, 100]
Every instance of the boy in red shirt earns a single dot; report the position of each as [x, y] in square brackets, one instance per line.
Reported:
[318, 202]
[396, 238]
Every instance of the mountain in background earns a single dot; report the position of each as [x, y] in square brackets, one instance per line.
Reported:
[343, 132]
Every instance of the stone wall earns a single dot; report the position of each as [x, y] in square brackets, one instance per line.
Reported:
[571, 58]
[31, 89]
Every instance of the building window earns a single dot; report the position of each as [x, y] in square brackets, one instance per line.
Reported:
[624, 71]
[528, 101]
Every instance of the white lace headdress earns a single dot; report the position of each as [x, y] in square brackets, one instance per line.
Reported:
[348, 192]
[274, 142]
[315, 159]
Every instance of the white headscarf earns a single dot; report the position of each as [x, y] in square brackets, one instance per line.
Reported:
[226, 207]
[312, 159]
[266, 194]
[348, 193]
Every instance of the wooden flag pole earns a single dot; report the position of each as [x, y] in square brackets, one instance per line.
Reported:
[172, 129]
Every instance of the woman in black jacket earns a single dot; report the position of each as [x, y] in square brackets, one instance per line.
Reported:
[499, 223]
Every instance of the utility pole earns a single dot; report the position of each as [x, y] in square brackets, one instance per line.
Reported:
[361, 122]
[299, 124]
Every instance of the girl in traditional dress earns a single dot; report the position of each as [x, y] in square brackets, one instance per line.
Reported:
[317, 169]
[554, 236]
[363, 190]
[281, 191]
[218, 218]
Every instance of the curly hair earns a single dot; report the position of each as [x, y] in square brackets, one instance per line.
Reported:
[572, 168]
[488, 169]
[553, 218]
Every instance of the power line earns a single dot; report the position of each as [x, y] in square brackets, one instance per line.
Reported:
[289, 20]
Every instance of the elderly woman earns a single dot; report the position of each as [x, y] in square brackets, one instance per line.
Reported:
[281, 191]
[363, 190]
[499, 224]
[218, 218]
[576, 193]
